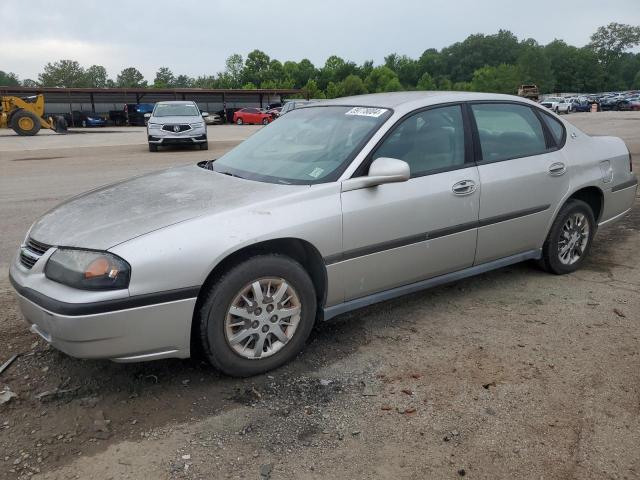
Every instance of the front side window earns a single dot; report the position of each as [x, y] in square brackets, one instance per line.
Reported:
[429, 141]
[507, 131]
[175, 110]
[308, 145]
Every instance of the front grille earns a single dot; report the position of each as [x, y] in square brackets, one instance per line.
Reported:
[31, 252]
[171, 128]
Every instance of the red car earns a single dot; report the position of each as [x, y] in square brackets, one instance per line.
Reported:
[251, 115]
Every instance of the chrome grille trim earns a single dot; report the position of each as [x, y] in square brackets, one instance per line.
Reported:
[181, 127]
[31, 252]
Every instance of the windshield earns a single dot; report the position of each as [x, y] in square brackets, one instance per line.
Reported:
[308, 145]
[175, 110]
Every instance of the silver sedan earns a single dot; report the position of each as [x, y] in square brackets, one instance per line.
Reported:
[335, 206]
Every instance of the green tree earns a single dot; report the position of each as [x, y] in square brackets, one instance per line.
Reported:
[535, 67]
[333, 90]
[501, 79]
[612, 41]
[311, 90]
[352, 85]
[30, 83]
[96, 76]
[183, 81]
[381, 79]
[131, 78]
[233, 68]
[63, 73]
[636, 82]
[164, 78]
[255, 67]
[335, 70]
[426, 82]
[9, 79]
[407, 69]
[249, 86]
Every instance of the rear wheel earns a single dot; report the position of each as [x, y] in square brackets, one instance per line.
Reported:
[569, 239]
[153, 147]
[257, 316]
[25, 123]
[239, 121]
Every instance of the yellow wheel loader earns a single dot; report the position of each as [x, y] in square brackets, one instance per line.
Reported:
[25, 116]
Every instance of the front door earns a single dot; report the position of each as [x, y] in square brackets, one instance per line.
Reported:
[400, 233]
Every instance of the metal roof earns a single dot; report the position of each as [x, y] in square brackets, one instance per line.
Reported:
[33, 90]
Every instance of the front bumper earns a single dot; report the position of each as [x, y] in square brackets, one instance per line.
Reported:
[127, 329]
[192, 136]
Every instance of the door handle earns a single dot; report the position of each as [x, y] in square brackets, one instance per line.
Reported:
[557, 169]
[464, 187]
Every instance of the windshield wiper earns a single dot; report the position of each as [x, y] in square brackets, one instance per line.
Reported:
[228, 173]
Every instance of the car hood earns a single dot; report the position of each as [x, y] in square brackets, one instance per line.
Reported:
[103, 218]
[181, 119]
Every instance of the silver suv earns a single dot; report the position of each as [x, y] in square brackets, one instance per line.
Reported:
[176, 123]
[331, 208]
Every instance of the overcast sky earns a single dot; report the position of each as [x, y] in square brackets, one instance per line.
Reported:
[196, 36]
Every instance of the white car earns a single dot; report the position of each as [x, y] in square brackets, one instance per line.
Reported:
[176, 123]
[557, 104]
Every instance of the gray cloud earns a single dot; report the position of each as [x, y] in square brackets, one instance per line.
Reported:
[195, 37]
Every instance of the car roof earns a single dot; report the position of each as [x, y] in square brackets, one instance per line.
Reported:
[177, 102]
[415, 98]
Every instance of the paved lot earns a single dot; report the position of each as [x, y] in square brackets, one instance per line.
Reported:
[512, 374]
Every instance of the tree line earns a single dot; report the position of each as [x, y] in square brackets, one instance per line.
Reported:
[489, 63]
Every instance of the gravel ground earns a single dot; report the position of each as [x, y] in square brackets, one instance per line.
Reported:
[512, 374]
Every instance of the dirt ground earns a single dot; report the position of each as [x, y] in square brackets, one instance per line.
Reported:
[512, 374]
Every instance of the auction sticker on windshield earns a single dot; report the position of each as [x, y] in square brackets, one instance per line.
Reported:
[366, 111]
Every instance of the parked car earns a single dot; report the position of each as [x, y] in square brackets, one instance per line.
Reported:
[176, 123]
[628, 105]
[580, 105]
[251, 115]
[135, 113]
[84, 119]
[274, 112]
[213, 119]
[557, 104]
[330, 209]
[293, 104]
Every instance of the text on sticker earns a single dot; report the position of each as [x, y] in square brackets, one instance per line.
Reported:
[366, 111]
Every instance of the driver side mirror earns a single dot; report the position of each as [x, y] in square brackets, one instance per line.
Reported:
[382, 170]
[205, 114]
[147, 115]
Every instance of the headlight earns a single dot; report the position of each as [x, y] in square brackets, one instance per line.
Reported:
[155, 125]
[196, 125]
[88, 270]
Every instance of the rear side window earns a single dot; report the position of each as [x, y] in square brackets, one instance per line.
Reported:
[507, 131]
[556, 128]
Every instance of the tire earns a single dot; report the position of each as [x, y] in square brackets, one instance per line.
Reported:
[25, 123]
[204, 146]
[551, 260]
[265, 121]
[84, 124]
[60, 124]
[153, 147]
[214, 317]
[557, 110]
[239, 121]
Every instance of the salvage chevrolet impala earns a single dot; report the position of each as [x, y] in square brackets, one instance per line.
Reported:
[335, 206]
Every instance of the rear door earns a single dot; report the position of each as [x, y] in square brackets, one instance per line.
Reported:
[522, 174]
[399, 233]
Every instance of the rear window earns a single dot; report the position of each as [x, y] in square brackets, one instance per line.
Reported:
[508, 131]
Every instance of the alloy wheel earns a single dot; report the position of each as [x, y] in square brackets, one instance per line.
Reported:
[574, 238]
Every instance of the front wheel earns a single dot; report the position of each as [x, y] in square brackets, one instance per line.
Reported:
[265, 121]
[257, 316]
[239, 121]
[569, 239]
[204, 146]
[153, 147]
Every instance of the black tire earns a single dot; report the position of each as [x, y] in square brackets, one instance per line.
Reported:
[60, 124]
[265, 121]
[550, 260]
[218, 297]
[557, 110]
[153, 147]
[24, 114]
[204, 146]
[84, 124]
[239, 121]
